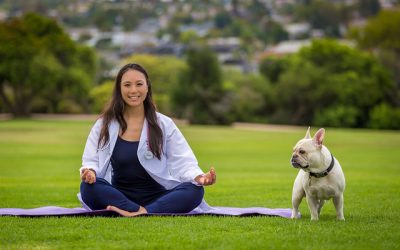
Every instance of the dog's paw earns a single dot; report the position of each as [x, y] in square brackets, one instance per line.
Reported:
[295, 216]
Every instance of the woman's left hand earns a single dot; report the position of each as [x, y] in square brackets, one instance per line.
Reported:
[208, 178]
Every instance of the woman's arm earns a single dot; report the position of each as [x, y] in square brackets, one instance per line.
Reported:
[181, 161]
[90, 158]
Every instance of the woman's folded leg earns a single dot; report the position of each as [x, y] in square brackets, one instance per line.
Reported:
[101, 194]
[182, 199]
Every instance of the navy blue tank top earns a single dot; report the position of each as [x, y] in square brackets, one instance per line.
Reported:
[130, 177]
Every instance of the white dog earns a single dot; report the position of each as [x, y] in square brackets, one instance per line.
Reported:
[320, 177]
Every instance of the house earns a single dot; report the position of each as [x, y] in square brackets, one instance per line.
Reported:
[297, 30]
[228, 53]
[285, 47]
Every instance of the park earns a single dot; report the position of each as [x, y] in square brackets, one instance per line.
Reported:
[242, 80]
[40, 159]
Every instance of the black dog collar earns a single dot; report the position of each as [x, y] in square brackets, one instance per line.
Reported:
[326, 172]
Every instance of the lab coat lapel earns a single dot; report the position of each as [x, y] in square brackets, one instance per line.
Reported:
[152, 166]
[143, 136]
[113, 131]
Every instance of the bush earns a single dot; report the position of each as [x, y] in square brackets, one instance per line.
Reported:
[273, 67]
[99, 96]
[69, 107]
[249, 96]
[384, 116]
[337, 116]
[330, 84]
[163, 103]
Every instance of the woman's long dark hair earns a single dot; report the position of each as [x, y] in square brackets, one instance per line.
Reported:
[115, 108]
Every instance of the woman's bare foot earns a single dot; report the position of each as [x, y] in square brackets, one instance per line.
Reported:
[141, 210]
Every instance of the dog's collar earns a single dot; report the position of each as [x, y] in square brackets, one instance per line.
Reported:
[326, 172]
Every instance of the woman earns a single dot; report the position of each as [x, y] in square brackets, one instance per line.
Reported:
[136, 160]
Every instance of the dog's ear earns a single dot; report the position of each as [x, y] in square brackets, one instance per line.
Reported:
[319, 137]
[308, 136]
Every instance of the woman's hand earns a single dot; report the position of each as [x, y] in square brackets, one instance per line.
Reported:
[88, 176]
[208, 178]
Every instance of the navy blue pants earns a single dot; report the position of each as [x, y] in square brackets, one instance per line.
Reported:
[182, 199]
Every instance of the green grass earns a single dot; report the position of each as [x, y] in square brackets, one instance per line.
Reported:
[39, 163]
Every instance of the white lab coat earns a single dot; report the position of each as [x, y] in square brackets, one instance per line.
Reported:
[178, 164]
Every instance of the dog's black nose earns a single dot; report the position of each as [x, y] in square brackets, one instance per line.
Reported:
[295, 156]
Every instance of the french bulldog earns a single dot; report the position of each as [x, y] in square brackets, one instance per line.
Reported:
[320, 177]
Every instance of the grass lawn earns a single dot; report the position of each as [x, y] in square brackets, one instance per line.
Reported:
[39, 163]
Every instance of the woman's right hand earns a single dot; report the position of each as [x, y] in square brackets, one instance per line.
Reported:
[88, 176]
[208, 178]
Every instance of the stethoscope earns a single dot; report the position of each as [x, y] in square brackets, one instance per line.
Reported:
[148, 154]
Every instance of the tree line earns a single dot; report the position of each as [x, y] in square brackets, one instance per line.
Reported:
[326, 83]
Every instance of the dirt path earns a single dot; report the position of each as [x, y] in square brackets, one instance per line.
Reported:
[93, 117]
[266, 127]
[74, 117]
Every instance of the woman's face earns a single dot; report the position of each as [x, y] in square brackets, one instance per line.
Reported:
[133, 88]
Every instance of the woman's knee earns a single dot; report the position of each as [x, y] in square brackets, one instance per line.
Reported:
[97, 186]
[197, 192]
[93, 194]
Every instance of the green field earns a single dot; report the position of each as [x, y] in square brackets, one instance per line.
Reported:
[39, 162]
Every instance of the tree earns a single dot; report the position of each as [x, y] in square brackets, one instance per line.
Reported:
[331, 84]
[323, 15]
[381, 32]
[273, 32]
[272, 67]
[199, 96]
[39, 61]
[249, 95]
[381, 35]
[368, 7]
[222, 20]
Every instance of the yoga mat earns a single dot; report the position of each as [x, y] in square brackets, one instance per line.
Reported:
[221, 211]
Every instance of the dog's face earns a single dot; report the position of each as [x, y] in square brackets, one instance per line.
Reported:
[307, 152]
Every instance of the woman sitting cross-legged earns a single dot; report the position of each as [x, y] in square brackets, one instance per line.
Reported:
[136, 160]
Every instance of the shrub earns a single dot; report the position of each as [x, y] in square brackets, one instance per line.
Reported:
[384, 116]
[337, 116]
[99, 96]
